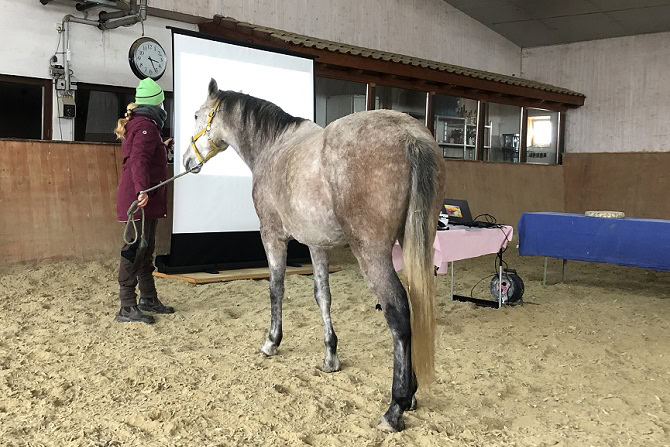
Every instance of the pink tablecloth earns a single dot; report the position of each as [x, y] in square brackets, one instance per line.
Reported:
[459, 243]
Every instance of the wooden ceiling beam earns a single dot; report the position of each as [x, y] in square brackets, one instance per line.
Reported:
[440, 89]
[391, 72]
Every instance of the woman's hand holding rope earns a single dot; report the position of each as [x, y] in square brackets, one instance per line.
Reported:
[143, 199]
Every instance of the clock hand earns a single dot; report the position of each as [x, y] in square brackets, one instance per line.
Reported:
[152, 62]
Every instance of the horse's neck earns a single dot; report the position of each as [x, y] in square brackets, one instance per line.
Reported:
[256, 152]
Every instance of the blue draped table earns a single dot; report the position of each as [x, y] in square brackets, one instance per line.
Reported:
[630, 242]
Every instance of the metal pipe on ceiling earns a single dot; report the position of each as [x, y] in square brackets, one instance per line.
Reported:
[137, 13]
[66, 28]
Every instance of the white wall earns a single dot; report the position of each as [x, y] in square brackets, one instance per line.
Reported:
[29, 36]
[431, 29]
[626, 81]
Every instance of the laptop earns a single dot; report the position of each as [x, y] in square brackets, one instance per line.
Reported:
[458, 212]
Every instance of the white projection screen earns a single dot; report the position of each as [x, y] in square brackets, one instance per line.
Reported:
[218, 199]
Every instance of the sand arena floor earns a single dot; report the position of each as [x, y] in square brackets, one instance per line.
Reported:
[582, 363]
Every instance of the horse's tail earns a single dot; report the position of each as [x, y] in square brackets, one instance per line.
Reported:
[420, 230]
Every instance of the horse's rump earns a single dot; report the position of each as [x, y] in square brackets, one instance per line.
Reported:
[366, 166]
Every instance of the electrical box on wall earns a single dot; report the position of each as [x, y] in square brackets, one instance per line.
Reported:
[61, 85]
[67, 107]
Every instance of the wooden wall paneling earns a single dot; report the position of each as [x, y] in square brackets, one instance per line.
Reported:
[164, 229]
[13, 201]
[78, 167]
[635, 183]
[100, 185]
[58, 201]
[61, 229]
[37, 166]
[119, 162]
[60, 215]
[85, 191]
[506, 190]
[110, 189]
[58, 193]
[32, 234]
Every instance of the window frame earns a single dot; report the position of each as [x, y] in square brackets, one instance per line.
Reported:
[108, 89]
[47, 99]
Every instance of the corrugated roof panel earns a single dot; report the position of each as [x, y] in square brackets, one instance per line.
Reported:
[311, 42]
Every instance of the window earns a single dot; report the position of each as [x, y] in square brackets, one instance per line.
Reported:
[411, 102]
[99, 107]
[26, 111]
[335, 99]
[455, 126]
[505, 122]
[539, 131]
[541, 141]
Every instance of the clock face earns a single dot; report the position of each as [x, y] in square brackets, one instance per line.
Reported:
[148, 59]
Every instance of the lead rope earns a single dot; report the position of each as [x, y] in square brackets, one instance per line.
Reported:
[215, 150]
[134, 208]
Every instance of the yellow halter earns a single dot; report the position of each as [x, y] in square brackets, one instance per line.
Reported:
[215, 149]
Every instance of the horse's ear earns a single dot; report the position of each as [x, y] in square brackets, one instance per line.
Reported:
[213, 88]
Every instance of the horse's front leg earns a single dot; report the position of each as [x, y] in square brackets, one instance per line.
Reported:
[275, 250]
[323, 298]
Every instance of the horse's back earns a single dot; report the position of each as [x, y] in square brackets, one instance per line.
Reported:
[366, 166]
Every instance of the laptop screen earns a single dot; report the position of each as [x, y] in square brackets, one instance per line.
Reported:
[453, 210]
[457, 210]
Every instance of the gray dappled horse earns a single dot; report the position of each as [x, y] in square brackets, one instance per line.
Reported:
[366, 180]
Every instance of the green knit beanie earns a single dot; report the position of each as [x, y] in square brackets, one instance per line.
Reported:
[149, 93]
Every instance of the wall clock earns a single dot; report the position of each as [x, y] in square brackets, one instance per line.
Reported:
[147, 58]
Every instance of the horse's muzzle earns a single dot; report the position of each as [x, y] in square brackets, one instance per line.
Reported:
[191, 165]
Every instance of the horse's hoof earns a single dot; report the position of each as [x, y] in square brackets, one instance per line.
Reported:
[388, 427]
[269, 348]
[331, 367]
[412, 406]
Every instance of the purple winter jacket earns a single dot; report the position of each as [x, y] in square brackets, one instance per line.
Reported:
[144, 165]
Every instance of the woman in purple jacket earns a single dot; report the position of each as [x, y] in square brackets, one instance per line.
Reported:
[144, 165]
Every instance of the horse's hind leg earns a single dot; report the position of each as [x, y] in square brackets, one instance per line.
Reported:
[275, 251]
[377, 268]
[322, 296]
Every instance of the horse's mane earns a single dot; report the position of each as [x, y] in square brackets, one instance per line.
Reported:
[269, 120]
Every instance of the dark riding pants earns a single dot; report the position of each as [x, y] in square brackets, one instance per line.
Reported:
[137, 265]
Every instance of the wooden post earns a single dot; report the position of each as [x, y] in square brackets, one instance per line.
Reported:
[370, 96]
[523, 136]
[430, 122]
[47, 111]
[482, 121]
[560, 141]
[479, 136]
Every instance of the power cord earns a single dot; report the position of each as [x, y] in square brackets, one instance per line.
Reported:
[472, 291]
[491, 222]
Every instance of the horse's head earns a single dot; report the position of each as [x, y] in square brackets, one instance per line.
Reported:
[212, 136]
